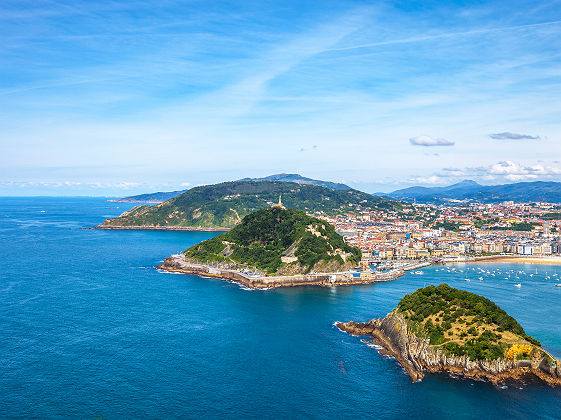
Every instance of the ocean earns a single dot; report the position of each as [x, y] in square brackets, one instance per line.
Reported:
[90, 329]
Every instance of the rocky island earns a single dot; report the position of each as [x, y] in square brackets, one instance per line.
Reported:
[442, 329]
[276, 247]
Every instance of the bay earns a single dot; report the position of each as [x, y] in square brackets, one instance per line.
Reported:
[89, 328]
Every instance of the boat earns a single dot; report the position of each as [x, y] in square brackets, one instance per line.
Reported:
[518, 285]
[558, 285]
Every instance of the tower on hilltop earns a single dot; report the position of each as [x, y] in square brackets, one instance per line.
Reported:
[279, 204]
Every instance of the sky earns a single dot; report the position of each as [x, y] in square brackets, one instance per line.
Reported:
[117, 98]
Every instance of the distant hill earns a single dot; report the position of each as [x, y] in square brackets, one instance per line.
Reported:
[226, 204]
[470, 190]
[157, 197]
[160, 197]
[299, 179]
[281, 241]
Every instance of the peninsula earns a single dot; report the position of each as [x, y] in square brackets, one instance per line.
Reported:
[277, 247]
[222, 206]
[442, 329]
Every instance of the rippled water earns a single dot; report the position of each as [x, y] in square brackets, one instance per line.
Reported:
[90, 329]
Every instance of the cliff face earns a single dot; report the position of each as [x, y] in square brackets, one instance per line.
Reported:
[417, 356]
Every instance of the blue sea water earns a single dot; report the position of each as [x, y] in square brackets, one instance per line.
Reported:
[89, 328]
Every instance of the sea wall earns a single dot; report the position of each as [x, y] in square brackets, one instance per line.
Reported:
[178, 264]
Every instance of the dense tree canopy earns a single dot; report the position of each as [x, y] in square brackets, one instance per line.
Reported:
[262, 237]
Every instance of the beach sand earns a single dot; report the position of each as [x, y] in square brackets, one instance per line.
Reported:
[523, 259]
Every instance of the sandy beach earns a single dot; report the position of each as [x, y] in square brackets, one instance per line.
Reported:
[556, 260]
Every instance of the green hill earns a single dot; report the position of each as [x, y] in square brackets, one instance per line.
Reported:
[280, 241]
[224, 205]
[463, 323]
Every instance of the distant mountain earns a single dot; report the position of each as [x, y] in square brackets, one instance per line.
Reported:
[454, 189]
[299, 179]
[160, 197]
[226, 204]
[521, 192]
[153, 198]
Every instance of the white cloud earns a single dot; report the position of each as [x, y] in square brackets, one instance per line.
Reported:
[429, 141]
[434, 179]
[516, 172]
[500, 172]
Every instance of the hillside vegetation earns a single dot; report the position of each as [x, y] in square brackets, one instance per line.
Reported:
[264, 238]
[226, 204]
[464, 323]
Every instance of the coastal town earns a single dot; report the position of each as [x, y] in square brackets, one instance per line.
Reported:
[453, 232]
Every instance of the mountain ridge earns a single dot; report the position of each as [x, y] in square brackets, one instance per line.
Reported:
[547, 191]
[162, 196]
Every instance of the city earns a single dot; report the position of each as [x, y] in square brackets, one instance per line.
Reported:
[454, 232]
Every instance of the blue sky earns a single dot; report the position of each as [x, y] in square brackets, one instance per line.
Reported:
[116, 98]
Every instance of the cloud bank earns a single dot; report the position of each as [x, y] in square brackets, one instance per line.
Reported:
[429, 141]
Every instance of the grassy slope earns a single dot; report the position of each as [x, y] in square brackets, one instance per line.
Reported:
[225, 204]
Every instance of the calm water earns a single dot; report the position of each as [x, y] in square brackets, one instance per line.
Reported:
[88, 328]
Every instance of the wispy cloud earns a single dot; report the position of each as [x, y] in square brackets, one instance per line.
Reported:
[423, 38]
[186, 87]
[512, 136]
[429, 141]
[431, 180]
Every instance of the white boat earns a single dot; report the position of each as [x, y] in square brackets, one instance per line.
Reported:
[518, 285]
[558, 285]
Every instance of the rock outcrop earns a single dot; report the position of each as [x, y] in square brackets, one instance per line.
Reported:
[417, 356]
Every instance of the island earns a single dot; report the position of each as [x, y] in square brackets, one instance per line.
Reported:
[442, 329]
[277, 247]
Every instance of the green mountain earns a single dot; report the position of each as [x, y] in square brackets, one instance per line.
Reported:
[160, 197]
[299, 179]
[280, 241]
[224, 205]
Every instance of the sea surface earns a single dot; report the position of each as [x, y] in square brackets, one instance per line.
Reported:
[90, 329]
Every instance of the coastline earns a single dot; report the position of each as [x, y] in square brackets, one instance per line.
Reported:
[177, 264]
[164, 228]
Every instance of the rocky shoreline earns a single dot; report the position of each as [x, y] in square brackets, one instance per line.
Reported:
[417, 357]
[178, 264]
[167, 228]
